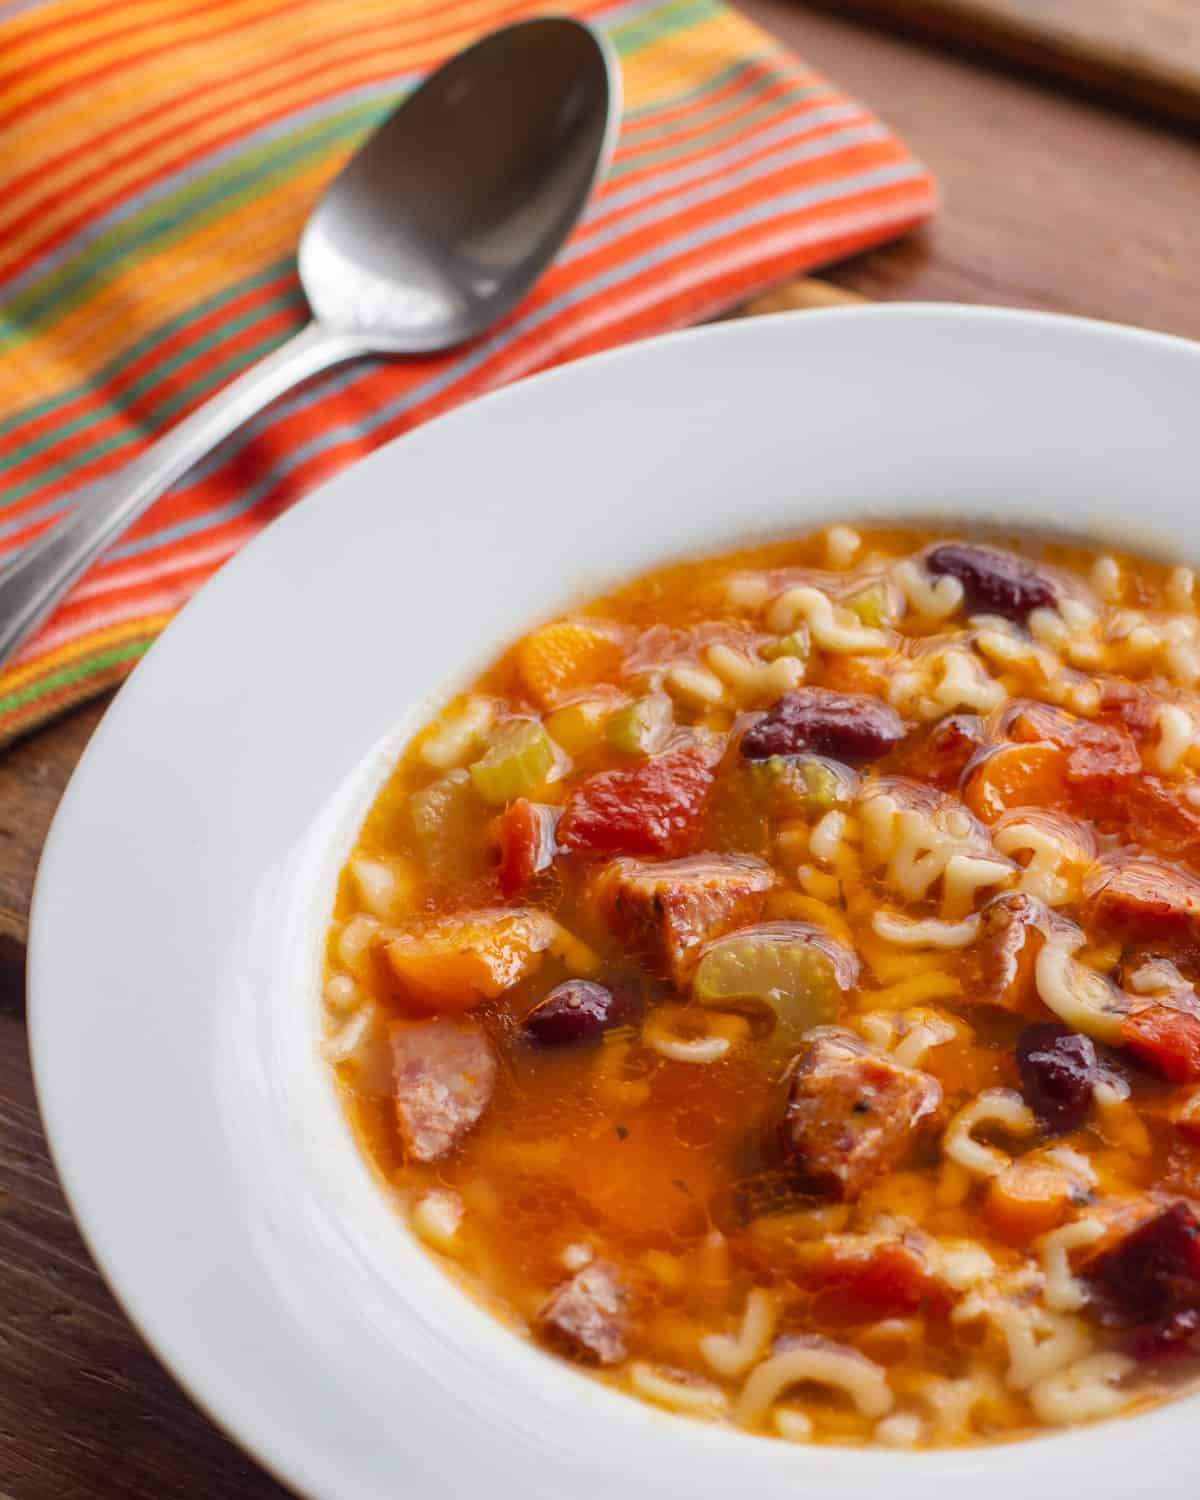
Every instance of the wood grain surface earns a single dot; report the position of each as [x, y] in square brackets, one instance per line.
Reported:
[1145, 51]
[1049, 202]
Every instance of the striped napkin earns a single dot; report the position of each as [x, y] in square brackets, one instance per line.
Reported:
[157, 162]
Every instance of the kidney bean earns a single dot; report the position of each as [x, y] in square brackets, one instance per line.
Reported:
[994, 582]
[1059, 1069]
[576, 1011]
[847, 726]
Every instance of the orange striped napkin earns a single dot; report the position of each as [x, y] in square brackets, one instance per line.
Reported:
[157, 161]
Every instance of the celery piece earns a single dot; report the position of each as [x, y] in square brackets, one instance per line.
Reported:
[795, 643]
[822, 789]
[579, 727]
[518, 760]
[641, 727]
[447, 818]
[430, 807]
[803, 786]
[873, 606]
[795, 972]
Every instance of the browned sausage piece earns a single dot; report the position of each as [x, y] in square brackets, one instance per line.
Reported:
[1011, 934]
[852, 1112]
[444, 1072]
[667, 911]
[1144, 901]
[586, 1316]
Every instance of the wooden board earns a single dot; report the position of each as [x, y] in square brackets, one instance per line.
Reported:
[1049, 203]
[1144, 51]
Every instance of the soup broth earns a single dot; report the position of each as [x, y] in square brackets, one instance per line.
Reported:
[772, 987]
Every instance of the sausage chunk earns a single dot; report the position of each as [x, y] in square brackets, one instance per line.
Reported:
[1143, 901]
[941, 753]
[444, 1075]
[668, 911]
[586, 1316]
[852, 1112]
[1012, 929]
[1009, 943]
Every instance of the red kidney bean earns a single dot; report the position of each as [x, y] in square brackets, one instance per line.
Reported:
[851, 727]
[994, 582]
[1058, 1070]
[576, 1011]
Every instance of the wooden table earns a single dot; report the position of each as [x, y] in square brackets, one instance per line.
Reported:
[1053, 201]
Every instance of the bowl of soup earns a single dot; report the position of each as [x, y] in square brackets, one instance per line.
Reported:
[648, 935]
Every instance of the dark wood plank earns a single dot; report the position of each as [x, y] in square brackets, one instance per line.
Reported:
[1144, 51]
[1048, 204]
[1049, 201]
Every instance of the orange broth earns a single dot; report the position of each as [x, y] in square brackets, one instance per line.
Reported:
[679, 1175]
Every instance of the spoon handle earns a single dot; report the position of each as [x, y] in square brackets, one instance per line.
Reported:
[37, 578]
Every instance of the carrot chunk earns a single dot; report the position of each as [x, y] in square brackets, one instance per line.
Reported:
[1166, 1040]
[563, 657]
[1017, 776]
[459, 962]
[1027, 1199]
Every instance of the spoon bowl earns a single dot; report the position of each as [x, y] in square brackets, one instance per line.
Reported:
[459, 201]
[434, 230]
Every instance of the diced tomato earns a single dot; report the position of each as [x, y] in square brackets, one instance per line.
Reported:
[656, 807]
[1129, 704]
[1101, 762]
[1017, 776]
[525, 833]
[1166, 1040]
[1159, 816]
[1104, 777]
[886, 1281]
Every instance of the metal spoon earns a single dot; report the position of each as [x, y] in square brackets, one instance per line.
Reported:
[433, 231]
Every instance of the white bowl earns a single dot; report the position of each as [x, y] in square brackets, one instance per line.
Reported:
[188, 876]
